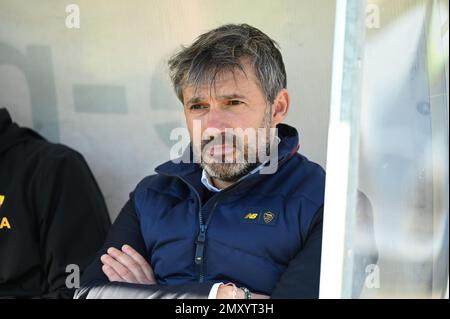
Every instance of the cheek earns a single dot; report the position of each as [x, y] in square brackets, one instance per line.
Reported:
[254, 120]
[189, 121]
[256, 114]
[190, 127]
[194, 125]
[195, 128]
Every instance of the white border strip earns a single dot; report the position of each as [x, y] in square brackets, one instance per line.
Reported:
[333, 241]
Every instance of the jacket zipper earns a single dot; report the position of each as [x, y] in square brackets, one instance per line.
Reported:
[200, 241]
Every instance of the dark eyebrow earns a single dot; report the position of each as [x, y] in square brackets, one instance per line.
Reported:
[198, 99]
[195, 99]
[231, 96]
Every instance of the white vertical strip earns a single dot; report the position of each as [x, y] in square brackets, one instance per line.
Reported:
[446, 294]
[444, 17]
[333, 241]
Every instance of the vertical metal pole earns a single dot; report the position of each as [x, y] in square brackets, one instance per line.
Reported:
[342, 153]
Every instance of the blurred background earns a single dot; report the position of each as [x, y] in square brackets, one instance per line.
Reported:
[403, 146]
[387, 160]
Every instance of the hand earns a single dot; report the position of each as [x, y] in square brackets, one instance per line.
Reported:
[233, 292]
[127, 266]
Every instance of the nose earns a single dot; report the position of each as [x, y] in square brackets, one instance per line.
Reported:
[215, 119]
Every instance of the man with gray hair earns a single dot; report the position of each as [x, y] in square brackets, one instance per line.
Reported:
[217, 222]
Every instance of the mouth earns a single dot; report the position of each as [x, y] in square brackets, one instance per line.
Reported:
[221, 149]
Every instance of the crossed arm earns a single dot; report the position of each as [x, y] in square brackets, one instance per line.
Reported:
[120, 271]
[127, 265]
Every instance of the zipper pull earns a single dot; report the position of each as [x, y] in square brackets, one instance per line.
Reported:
[200, 245]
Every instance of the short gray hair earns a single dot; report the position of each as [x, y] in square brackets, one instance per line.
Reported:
[224, 49]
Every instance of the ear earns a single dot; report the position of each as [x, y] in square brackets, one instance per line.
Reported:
[280, 107]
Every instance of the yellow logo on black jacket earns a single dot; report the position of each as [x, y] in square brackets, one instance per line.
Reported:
[4, 223]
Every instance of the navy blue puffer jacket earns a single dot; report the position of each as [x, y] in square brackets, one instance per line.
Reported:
[247, 233]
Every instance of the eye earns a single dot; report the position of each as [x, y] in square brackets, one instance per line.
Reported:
[235, 102]
[196, 107]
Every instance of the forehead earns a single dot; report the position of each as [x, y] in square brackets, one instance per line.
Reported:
[225, 83]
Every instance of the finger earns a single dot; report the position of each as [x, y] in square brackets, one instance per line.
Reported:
[130, 251]
[120, 269]
[129, 263]
[111, 273]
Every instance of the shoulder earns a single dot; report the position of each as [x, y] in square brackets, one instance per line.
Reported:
[53, 158]
[155, 182]
[307, 179]
[166, 186]
[57, 152]
[307, 191]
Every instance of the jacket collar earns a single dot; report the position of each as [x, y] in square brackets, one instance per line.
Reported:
[288, 146]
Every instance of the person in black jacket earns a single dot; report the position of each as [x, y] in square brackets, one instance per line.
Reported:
[53, 217]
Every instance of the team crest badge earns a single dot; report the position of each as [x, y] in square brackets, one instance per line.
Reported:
[268, 217]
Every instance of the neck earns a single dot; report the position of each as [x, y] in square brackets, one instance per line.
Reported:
[220, 184]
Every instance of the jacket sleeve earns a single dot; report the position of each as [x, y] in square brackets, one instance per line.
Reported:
[302, 276]
[126, 230]
[72, 219]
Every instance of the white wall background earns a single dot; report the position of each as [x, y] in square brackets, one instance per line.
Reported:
[103, 89]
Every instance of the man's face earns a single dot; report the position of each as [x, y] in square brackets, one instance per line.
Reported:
[234, 101]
